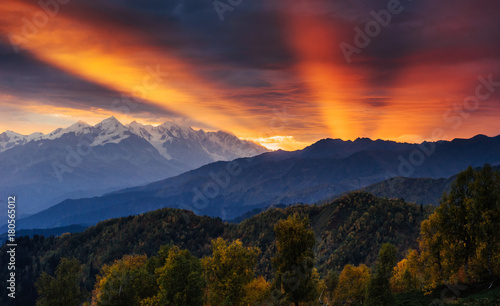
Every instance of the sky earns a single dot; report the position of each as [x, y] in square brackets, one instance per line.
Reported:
[282, 73]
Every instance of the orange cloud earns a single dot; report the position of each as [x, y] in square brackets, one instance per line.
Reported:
[397, 88]
[124, 62]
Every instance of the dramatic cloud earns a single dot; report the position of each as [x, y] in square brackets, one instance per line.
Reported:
[285, 73]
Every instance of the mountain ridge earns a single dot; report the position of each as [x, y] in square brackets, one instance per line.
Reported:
[229, 189]
[107, 156]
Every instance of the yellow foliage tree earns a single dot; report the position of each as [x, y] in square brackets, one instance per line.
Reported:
[407, 274]
[352, 285]
[125, 282]
[257, 292]
[228, 271]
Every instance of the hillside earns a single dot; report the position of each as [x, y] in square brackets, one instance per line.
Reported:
[416, 190]
[325, 169]
[348, 230]
[84, 161]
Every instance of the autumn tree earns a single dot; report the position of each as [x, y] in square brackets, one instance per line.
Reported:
[228, 271]
[485, 216]
[180, 280]
[461, 240]
[352, 286]
[379, 288]
[433, 251]
[257, 292]
[455, 212]
[125, 282]
[63, 289]
[295, 276]
[407, 274]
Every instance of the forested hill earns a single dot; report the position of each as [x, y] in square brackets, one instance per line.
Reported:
[417, 190]
[348, 230]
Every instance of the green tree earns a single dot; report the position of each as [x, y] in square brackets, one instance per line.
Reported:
[485, 214]
[158, 261]
[331, 282]
[125, 282]
[432, 244]
[379, 288]
[461, 240]
[455, 213]
[228, 271]
[180, 280]
[295, 276]
[63, 289]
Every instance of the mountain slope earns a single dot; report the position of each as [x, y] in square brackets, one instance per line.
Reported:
[229, 189]
[415, 190]
[348, 230]
[83, 160]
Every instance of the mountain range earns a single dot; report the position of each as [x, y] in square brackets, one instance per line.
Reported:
[348, 230]
[327, 168]
[84, 160]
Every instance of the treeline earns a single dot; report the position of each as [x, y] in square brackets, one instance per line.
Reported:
[358, 250]
[349, 230]
[460, 242]
[226, 277]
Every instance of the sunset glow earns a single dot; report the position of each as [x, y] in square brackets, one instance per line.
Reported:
[272, 72]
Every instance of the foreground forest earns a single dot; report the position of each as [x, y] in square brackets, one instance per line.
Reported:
[358, 249]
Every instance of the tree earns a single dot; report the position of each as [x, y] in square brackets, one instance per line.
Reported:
[461, 240]
[330, 284]
[180, 280]
[296, 276]
[486, 214]
[432, 252]
[228, 271]
[455, 213]
[353, 282]
[64, 288]
[379, 288]
[407, 276]
[125, 282]
[257, 292]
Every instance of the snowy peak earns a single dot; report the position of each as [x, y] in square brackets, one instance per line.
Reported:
[172, 140]
[9, 139]
[109, 131]
[9, 135]
[177, 141]
[110, 125]
[79, 128]
[34, 136]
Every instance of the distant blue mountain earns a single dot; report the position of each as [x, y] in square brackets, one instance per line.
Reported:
[322, 170]
[84, 161]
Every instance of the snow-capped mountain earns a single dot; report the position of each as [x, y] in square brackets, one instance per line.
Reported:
[84, 160]
[187, 145]
[9, 139]
[170, 139]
